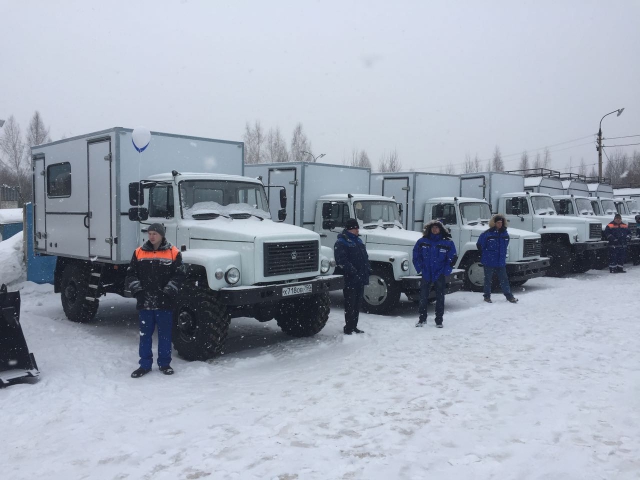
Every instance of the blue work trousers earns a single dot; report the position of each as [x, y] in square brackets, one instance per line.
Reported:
[148, 321]
[425, 289]
[502, 278]
[617, 255]
[352, 300]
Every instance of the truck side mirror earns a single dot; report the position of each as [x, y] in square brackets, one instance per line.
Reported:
[327, 211]
[138, 214]
[328, 224]
[136, 194]
[515, 206]
[283, 199]
[400, 210]
[282, 214]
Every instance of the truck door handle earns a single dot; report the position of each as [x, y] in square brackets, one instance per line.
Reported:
[85, 221]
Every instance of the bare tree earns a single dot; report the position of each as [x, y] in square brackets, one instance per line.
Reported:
[617, 167]
[524, 161]
[360, 159]
[300, 143]
[488, 169]
[450, 169]
[497, 163]
[634, 168]
[537, 163]
[276, 148]
[390, 162]
[593, 172]
[253, 142]
[468, 166]
[37, 134]
[582, 169]
[476, 164]
[546, 163]
[15, 161]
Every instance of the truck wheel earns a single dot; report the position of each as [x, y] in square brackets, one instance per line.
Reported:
[304, 316]
[582, 263]
[561, 258]
[473, 274]
[602, 260]
[74, 288]
[200, 323]
[382, 294]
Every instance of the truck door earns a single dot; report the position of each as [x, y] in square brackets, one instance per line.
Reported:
[519, 214]
[398, 188]
[100, 215]
[287, 178]
[39, 204]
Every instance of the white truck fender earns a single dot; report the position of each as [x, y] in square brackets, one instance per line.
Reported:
[212, 261]
[393, 258]
[327, 252]
[464, 249]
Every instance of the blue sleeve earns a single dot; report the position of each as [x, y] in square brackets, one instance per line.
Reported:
[342, 258]
[417, 261]
[481, 240]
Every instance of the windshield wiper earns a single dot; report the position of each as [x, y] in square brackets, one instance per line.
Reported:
[244, 215]
[473, 222]
[207, 216]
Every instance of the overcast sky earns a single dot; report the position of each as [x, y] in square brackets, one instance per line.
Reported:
[435, 80]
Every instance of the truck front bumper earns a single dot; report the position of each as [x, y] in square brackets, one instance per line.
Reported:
[254, 294]
[454, 283]
[526, 269]
[590, 246]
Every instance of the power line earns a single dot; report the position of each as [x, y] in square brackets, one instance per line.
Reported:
[625, 145]
[614, 138]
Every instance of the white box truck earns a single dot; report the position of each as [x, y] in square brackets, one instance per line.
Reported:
[95, 196]
[573, 244]
[429, 196]
[325, 196]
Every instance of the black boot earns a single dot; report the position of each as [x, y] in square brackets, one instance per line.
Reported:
[613, 270]
[357, 330]
[621, 270]
[140, 372]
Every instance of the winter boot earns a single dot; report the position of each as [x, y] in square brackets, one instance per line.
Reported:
[438, 322]
[140, 372]
[357, 330]
[620, 269]
[347, 331]
[613, 270]
[512, 299]
[421, 323]
[167, 370]
[488, 299]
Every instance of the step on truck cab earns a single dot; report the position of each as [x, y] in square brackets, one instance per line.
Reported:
[95, 196]
[573, 244]
[580, 206]
[325, 196]
[427, 196]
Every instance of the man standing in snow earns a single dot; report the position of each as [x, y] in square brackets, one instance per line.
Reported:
[493, 245]
[353, 260]
[154, 278]
[617, 233]
[434, 256]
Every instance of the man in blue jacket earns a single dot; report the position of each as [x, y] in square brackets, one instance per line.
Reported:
[353, 260]
[617, 233]
[493, 245]
[434, 256]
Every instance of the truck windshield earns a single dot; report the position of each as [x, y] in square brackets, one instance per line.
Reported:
[608, 207]
[621, 207]
[474, 213]
[584, 206]
[377, 212]
[542, 205]
[564, 207]
[633, 207]
[204, 199]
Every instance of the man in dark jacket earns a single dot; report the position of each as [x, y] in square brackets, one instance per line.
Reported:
[493, 245]
[154, 278]
[351, 257]
[617, 233]
[434, 256]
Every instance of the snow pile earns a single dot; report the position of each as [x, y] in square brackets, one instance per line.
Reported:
[10, 215]
[12, 267]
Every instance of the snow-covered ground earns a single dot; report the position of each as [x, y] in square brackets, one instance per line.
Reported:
[545, 389]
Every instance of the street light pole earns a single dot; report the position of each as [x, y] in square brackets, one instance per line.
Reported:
[599, 147]
[315, 159]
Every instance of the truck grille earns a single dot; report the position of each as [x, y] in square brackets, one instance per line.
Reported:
[532, 247]
[290, 257]
[595, 231]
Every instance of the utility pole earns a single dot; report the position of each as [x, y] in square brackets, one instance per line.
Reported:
[599, 147]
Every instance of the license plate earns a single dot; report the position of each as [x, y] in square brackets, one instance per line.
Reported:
[296, 290]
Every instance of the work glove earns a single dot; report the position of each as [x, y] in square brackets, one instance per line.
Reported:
[453, 261]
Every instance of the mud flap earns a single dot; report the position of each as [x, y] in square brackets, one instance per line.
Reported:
[15, 360]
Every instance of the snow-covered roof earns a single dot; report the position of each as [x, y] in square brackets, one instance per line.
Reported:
[168, 177]
[627, 192]
[532, 181]
[10, 215]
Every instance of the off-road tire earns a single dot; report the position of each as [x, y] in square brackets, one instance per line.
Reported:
[561, 258]
[304, 316]
[382, 294]
[74, 290]
[200, 323]
[472, 273]
[582, 264]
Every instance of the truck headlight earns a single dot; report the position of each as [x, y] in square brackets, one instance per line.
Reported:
[219, 274]
[232, 276]
[404, 265]
[576, 237]
[325, 265]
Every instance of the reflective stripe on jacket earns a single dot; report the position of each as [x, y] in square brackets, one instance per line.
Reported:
[493, 245]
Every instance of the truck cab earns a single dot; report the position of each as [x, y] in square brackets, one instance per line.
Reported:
[389, 246]
[467, 219]
[573, 244]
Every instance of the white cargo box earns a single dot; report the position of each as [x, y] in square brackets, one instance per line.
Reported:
[81, 187]
[490, 186]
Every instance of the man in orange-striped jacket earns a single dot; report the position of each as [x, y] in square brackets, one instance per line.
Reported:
[154, 278]
[617, 233]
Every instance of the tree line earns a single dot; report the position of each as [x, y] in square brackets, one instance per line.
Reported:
[15, 154]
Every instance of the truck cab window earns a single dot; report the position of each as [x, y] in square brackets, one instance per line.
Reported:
[522, 205]
[161, 201]
[339, 214]
[59, 180]
[595, 206]
[445, 212]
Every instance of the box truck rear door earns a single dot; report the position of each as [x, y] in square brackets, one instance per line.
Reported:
[398, 188]
[100, 201]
